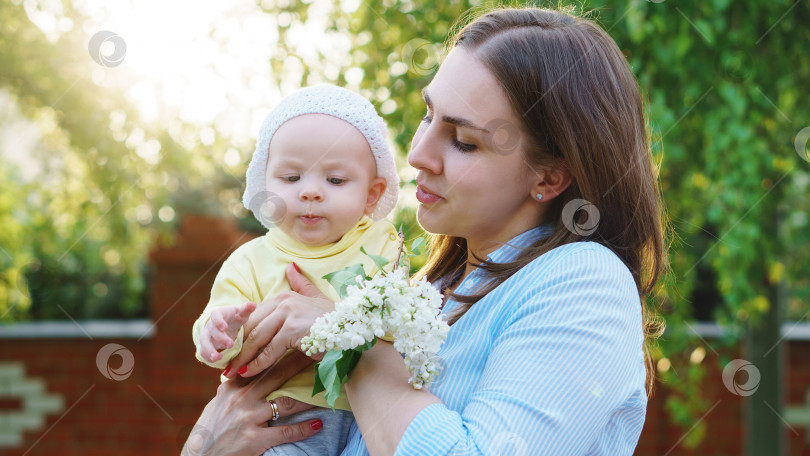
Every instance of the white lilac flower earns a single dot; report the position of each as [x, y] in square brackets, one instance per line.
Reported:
[388, 304]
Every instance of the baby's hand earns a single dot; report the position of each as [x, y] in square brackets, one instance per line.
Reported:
[221, 330]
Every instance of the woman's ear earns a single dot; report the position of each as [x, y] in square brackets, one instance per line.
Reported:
[550, 182]
[375, 190]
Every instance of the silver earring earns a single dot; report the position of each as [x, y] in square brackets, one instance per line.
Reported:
[539, 196]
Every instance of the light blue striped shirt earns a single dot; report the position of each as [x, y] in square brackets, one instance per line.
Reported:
[549, 363]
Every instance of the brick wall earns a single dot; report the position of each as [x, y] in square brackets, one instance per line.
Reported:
[725, 419]
[74, 409]
[151, 410]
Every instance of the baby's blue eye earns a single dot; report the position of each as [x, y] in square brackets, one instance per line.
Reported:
[292, 178]
[336, 180]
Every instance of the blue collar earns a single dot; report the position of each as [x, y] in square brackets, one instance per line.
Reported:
[510, 250]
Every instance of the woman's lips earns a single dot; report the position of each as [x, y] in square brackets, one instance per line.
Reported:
[310, 219]
[426, 197]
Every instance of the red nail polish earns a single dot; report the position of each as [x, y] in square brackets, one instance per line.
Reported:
[315, 425]
[227, 369]
[242, 370]
[296, 267]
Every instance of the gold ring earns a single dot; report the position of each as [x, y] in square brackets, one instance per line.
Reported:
[275, 410]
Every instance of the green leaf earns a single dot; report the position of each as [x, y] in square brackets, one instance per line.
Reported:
[341, 279]
[331, 397]
[327, 371]
[333, 371]
[378, 260]
[366, 346]
[417, 245]
[346, 363]
[318, 386]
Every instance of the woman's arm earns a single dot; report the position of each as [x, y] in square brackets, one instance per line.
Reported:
[382, 400]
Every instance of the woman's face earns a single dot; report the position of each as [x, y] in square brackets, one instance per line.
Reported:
[473, 180]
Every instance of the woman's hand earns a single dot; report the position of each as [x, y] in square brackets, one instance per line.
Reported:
[235, 421]
[279, 324]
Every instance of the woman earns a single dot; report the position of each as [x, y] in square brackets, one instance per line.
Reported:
[536, 178]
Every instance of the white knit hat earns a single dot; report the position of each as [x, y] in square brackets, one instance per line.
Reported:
[337, 102]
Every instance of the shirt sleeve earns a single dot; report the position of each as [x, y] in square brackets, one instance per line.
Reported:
[560, 365]
[229, 289]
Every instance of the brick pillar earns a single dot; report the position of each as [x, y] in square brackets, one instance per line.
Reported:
[183, 275]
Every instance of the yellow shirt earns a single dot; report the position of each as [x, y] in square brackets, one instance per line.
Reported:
[256, 272]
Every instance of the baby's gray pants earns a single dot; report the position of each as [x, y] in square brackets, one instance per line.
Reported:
[330, 441]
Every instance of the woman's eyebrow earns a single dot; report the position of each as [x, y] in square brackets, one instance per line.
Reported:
[457, 121]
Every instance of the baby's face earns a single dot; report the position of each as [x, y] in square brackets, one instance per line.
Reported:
[323, 169]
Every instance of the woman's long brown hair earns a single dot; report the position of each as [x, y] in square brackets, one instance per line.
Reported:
[581, 108]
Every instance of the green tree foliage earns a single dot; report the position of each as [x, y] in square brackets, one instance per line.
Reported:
[78, 233]
[726, 100]
[13, 259]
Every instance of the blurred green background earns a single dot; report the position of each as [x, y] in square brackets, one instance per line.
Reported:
[99, 162]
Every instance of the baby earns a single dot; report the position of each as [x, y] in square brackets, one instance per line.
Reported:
[321, 181]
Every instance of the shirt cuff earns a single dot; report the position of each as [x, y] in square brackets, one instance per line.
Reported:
[434, 430]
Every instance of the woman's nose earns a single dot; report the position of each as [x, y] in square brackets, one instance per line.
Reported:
[425, 151]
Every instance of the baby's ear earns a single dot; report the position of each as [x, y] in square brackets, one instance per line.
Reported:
[375, 190]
